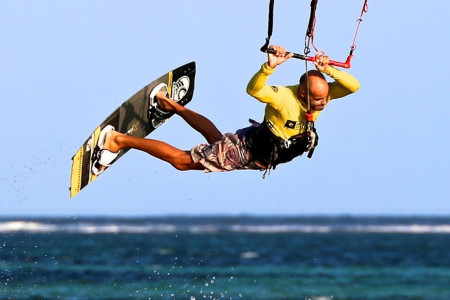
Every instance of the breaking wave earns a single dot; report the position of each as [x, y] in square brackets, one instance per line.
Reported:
[101, 226]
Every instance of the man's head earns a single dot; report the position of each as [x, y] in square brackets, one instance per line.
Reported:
[318, 90]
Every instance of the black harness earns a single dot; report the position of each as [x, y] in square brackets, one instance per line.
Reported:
[271, 150]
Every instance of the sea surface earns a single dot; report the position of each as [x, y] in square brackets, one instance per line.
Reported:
[214, 257]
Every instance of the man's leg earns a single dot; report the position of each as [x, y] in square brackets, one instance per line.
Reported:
[181, 160]
[178, 158]
[200, 123]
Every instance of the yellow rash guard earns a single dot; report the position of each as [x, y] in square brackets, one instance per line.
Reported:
[284, 113]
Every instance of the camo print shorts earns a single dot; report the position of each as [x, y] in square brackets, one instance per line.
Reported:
[228, 154]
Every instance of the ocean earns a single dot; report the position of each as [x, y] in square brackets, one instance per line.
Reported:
[225, 257]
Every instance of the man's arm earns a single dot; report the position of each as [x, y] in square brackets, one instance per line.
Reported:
[257, 87]
[343, 85]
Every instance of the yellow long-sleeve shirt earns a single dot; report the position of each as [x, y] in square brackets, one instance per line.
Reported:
[284, 112]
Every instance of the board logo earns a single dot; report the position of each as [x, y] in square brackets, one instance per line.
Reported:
[133, 128]
[180, 88]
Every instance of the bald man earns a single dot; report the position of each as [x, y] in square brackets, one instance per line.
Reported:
[284, 134]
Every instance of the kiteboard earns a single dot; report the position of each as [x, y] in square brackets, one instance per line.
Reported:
[138, 116]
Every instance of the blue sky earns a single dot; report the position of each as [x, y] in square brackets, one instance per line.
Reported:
[66, 65]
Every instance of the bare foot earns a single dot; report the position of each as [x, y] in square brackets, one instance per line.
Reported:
[165, 103]
[111, 141]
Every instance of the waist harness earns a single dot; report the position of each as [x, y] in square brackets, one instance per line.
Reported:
[271, 150]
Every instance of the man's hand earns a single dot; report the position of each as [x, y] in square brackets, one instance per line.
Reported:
[321, 62]
[279, 57]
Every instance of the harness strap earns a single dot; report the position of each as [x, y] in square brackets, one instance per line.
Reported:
[269, 27]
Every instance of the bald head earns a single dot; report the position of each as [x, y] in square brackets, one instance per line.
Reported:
[318, 89]
[315, 80]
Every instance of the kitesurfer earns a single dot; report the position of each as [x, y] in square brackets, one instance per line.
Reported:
[280, 137]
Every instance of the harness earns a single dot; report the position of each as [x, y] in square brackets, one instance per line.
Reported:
[271, 150]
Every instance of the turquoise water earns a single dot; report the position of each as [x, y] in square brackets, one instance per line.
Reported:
[225, 258]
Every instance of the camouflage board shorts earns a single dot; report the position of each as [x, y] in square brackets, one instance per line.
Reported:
[228, 154]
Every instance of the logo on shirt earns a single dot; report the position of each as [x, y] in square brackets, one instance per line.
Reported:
[290, 124]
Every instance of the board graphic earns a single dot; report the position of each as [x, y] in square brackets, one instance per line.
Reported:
[138, 116]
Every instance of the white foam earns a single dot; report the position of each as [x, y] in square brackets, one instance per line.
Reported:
[27, 226]
[123, 227]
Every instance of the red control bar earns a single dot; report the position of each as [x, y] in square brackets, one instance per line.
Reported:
[345, 64]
